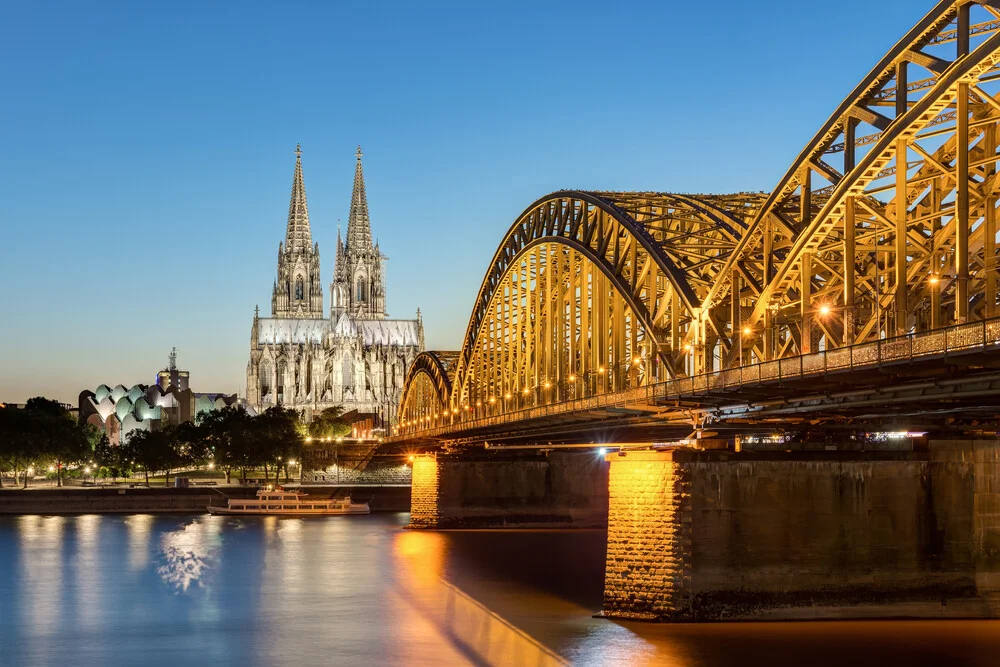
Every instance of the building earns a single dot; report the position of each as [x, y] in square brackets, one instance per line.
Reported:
[119, 410]
[357, 357]
[171, 376]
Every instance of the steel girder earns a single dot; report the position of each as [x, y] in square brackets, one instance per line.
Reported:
[427, 389]
[634, 264]
[886, 222]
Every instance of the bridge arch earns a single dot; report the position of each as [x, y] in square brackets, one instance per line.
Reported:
[885, 223]
[427, 389]
[586, 284]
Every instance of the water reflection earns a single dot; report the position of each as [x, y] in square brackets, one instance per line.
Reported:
[138, 527]
[88, 575]
[41, 571]
[480, 633]
[162, 590]
[188, 555]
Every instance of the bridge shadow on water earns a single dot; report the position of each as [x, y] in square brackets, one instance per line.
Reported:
[527, 597]
[517, 597]
[482, 634]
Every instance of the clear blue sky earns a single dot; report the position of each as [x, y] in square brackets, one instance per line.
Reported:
[146, 149]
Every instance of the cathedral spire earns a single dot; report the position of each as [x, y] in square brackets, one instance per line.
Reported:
[298, 236]
[359, 230]
[297, 291]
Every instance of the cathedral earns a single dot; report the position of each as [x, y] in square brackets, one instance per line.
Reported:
[357, 357]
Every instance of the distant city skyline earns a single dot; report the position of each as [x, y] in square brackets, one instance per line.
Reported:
[145, 176]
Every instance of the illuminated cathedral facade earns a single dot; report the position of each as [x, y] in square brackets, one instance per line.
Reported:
[357, 357]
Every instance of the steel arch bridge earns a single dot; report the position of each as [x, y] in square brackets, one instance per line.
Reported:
[884, 227]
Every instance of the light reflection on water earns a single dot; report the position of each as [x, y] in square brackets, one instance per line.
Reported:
[89, 577]
[42, 570]
[138, 527]
[160, 590]
[189, 556]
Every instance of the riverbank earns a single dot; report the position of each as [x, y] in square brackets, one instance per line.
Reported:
[141, 500]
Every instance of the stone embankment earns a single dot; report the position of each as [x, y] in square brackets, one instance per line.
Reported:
[168, 500]
[76, 500]
[376, 474]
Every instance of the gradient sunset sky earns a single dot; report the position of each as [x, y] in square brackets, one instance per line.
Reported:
[147, 149]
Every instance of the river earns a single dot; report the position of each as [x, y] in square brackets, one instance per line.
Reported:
[169, 590]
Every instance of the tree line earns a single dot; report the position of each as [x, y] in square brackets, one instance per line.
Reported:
[43, 435]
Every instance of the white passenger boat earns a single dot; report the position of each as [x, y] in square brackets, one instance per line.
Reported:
[281, 502]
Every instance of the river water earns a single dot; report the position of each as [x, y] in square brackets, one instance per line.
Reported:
[202, 590]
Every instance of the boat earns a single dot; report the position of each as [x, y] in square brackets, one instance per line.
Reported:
[278, 501]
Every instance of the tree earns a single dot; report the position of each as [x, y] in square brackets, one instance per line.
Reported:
[116, 460]
[224, 436]
[189, 445]
[60, 438]
[153, 451]
[329, 424]
[40, 433]
[276, 437]
[13, 426]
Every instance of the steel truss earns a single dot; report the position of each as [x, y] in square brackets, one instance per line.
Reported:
[884, 225]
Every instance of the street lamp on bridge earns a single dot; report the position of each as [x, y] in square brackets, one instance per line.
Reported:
[747, 332]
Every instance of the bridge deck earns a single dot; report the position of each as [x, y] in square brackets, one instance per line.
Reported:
[950, 371]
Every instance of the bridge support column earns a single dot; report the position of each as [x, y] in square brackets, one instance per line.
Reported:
[424, 492]
[648, 568]
[715, 535]
[982, 458]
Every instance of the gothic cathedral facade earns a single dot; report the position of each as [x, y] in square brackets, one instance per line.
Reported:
[358, 357]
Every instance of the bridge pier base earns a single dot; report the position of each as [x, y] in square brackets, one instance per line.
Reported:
[554, 489]
[714, 535]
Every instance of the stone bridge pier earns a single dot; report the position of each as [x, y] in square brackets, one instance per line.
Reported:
[717, 534]
[709, 535]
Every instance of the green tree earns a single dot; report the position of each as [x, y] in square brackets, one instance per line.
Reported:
[115, 460]
[41, 433]
[153, 451]
[276, 437]
[189, 445]
[328, 424]
[13, 441]
[60, 439]
[225, 436]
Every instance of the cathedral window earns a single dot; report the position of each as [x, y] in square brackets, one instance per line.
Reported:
[362, 291]
[300, 291]
[282, 371]
[348, 372]
[266, 378]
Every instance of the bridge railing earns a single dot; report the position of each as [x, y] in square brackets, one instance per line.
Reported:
[976, 336]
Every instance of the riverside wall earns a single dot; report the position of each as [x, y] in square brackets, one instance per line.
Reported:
[703, 535]
[75, 500]
[169, 500]
[560, 489]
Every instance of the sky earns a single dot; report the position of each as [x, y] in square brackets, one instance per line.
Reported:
[147, 149]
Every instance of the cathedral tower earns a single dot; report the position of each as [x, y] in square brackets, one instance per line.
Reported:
[298, 291]
[355, 360]
[358, 286]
